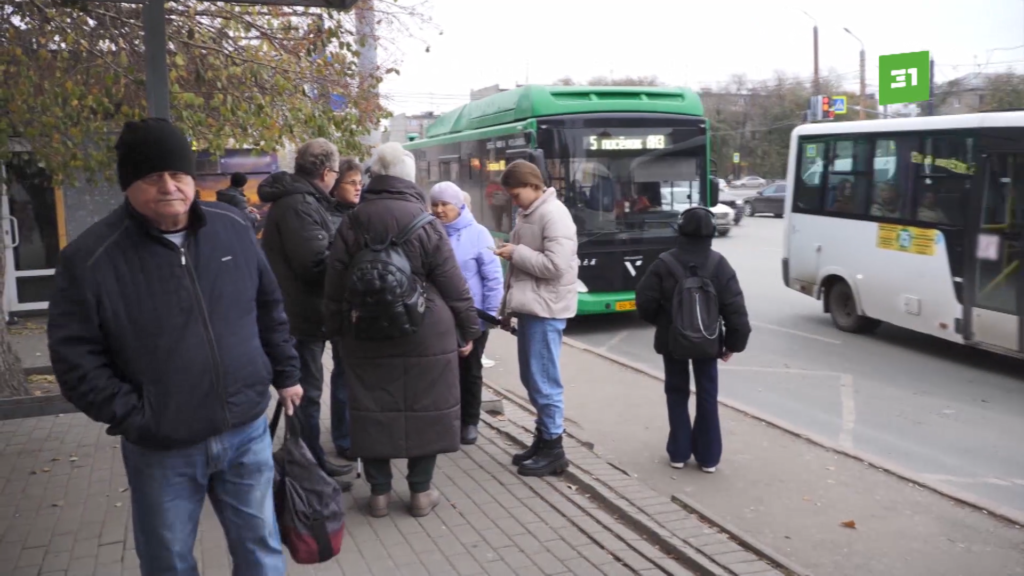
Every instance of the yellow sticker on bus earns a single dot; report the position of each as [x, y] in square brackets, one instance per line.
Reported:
[907, 239]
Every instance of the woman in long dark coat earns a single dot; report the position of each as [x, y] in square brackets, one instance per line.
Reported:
[403, 393]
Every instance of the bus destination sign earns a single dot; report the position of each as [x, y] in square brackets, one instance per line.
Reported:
[651, 142]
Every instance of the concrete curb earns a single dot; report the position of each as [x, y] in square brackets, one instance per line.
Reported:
[987, 507]
[652, 528]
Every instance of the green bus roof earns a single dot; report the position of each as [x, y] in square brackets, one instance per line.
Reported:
[531, 101]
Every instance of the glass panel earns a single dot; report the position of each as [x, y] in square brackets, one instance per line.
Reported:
[999, 243]
[34, 288]
[32, 202]
[812, 169]
[627, 179]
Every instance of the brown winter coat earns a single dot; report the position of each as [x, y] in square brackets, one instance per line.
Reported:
[403, 394]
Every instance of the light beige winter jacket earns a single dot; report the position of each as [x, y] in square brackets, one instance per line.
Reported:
[541, 279]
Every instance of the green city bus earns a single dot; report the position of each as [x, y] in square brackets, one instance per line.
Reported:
[624, 160]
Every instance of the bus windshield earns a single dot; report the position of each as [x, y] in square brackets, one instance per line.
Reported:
[626, 179]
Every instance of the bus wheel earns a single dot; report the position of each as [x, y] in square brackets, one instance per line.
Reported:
[843, 308]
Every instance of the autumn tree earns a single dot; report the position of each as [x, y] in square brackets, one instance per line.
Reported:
[1004, 91]
[240, 76]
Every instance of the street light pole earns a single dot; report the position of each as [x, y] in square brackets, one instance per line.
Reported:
[863, 72]
[817, 80]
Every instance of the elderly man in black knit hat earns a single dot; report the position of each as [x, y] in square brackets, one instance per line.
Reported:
[167, 325]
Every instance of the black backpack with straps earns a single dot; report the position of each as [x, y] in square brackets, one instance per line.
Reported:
[696, 331]
[384, 299]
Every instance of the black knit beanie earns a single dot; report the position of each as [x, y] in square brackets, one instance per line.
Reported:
[697, 222]
[149, 146]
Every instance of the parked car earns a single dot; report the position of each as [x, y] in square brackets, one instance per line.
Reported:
[734, 202]
[749, 182]
[771, 200]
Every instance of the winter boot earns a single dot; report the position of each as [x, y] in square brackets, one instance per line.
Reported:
[549, 460]
[530, 452]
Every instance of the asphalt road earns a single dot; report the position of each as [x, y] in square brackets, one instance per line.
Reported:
[950, 414]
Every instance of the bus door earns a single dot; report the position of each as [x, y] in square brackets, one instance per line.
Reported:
[997, 313]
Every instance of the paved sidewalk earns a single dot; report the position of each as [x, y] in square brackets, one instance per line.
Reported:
[65, 509]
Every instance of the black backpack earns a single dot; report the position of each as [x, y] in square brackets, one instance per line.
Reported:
[385, 300]
[696, 331]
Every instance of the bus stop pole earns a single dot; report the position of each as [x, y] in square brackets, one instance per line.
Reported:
[154, 40]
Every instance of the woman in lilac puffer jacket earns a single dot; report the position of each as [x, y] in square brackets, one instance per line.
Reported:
[473, 247]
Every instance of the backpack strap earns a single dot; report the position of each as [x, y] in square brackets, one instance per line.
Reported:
[420, 221]
[674, 266]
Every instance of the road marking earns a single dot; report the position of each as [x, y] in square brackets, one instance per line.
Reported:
[618, 338]
[849, 411]
[796, 332]
[979, 480]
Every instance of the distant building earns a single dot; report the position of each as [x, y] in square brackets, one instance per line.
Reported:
[964, 95]
[402, 126]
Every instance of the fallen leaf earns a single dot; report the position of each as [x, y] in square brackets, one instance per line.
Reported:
[118, 505]
[56, 459]
[58, 504]
[32, 472]
[571, 487]
[500, 417]
[73, 459]
[848, 524]
[123, 490]
[808, 499]
[831, 481]
[46, 469]
[830, 467]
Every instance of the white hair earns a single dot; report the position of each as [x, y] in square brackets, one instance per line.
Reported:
[392, 160]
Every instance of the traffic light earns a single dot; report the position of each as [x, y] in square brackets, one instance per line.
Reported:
[826, 104]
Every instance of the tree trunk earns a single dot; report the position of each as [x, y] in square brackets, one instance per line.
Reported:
[12, 378]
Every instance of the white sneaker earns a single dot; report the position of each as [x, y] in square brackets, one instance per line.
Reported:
[709, 469]
[677, 465]
[487, 362]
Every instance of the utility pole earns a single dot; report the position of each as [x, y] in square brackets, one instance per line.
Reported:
[863, 74]
[817, 78]
[154, 41]
[366, 33]
[931, 87]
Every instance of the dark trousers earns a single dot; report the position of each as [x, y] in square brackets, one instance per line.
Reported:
[704, 439]
[419, 476]
[339, 403]
[471, 381]
[311, 377]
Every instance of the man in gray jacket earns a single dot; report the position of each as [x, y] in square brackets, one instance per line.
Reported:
[297, 238]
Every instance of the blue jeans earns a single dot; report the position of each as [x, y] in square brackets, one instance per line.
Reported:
[169, 488]
[704, 439]
[339, 403]
[540, 345]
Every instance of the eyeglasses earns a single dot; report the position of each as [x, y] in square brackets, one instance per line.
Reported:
[353, 183]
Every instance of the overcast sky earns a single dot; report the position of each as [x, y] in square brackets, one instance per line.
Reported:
[689, 42]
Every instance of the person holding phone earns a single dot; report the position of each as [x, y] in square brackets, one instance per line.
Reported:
[474, 250]
[540, 293]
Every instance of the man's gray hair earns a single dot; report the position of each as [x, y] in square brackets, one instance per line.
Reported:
[315, 156]
[392, 160]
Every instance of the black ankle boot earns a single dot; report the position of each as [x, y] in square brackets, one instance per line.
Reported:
[550, 459]
[519, 458]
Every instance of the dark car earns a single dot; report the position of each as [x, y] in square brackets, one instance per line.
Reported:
[771, 200]
[732, 201]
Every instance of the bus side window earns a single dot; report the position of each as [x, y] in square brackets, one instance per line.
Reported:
[848, 180]
[888, 198]
[945, 168]
[809, 185]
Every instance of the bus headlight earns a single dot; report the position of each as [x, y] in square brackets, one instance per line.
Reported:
[580, 286]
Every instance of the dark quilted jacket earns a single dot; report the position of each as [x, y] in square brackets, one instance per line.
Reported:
[169, 346]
